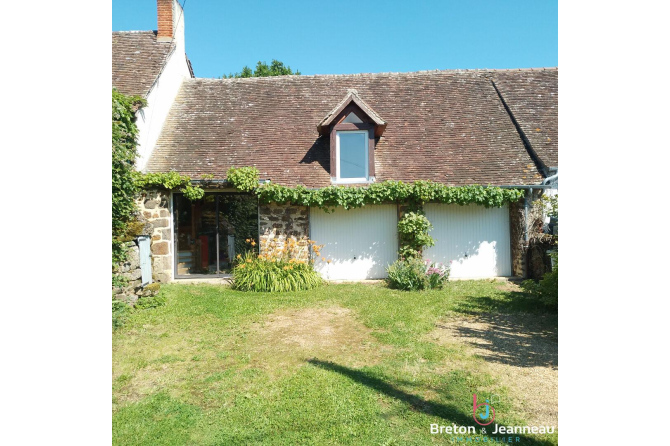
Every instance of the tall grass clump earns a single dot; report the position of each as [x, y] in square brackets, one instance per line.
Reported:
[281, 266]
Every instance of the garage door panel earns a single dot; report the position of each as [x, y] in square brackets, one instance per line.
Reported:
[360, 243]
[474, 240]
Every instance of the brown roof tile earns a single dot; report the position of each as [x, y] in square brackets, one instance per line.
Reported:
[137, 59]
[532, 96]
[446, 126]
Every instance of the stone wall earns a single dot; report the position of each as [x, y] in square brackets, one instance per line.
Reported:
[518, 244]
[131, 271]
[277, 222]
[154, 205]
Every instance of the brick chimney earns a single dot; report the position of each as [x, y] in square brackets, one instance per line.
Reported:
[166, 18]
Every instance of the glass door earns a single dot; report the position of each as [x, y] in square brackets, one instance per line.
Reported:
[210, 232]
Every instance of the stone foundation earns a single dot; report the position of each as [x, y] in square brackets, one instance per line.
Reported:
[279, 222]
[154, 205]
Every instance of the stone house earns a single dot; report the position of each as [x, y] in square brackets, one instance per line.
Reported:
[456, 127]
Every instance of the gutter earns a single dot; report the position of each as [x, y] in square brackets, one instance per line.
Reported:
[223, 182]
[548, 179]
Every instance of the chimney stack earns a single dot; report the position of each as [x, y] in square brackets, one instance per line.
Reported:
[165, 20]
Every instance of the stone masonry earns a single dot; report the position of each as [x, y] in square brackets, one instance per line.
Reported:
[154, 205]
[130, 270]
[277, 222]
[519, 246]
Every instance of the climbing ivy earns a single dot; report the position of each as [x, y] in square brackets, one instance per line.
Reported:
[349, 197]
[413, 230]
[244, 178]
[170, 180]
[124, 152]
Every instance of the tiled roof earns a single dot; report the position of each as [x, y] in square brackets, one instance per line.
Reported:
[446, 126]
[532, 96]
[137, 59]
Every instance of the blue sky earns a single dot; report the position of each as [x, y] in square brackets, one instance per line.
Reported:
[339, 37]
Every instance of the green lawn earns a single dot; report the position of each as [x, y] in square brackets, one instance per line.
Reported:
[341, 364]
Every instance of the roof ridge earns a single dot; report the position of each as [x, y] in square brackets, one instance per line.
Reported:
[383, 73]
[136, 31]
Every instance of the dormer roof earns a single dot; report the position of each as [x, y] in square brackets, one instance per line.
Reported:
[352, 97]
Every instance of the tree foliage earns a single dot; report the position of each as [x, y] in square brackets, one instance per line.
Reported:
[124, 152]
[276, 68]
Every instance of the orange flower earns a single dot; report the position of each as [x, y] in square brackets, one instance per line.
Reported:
[247, 240]
[248, 260]
[253, 243]
[328, 261]
[242, 265]
[323, 259]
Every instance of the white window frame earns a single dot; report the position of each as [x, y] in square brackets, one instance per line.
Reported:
[365, 179]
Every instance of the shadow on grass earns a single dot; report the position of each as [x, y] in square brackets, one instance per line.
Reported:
[450, 413]
[515, 339]
[504, 302]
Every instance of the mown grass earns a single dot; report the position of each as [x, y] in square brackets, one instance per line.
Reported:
[203, 370]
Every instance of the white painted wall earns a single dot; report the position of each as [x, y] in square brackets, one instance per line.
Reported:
[151, 118]
[474, 240]
[360, 243]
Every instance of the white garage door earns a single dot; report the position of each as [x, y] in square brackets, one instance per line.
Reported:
[474, 239]
[360, 243]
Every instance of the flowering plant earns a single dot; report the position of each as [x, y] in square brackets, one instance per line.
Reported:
[413, 274]
[437, 273]
[282, 265]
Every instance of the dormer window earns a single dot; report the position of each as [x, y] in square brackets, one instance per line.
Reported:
[353, 126]
[352, 156]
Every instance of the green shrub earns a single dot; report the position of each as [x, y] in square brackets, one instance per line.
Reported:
[120, 312]
[415, 274]
[150, 301]
[255, 273]
[546, 290]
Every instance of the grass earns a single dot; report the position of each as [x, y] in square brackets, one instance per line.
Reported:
[340, 364]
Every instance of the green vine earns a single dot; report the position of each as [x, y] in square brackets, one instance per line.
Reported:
[124, 152]
[243, 178]
[246, 179]
[413, 230]
[170, 180]
[388, 191]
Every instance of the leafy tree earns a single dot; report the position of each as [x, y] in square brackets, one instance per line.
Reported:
[276, 68]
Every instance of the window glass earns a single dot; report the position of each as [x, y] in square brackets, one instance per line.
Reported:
[353, 118]
[353, 154]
